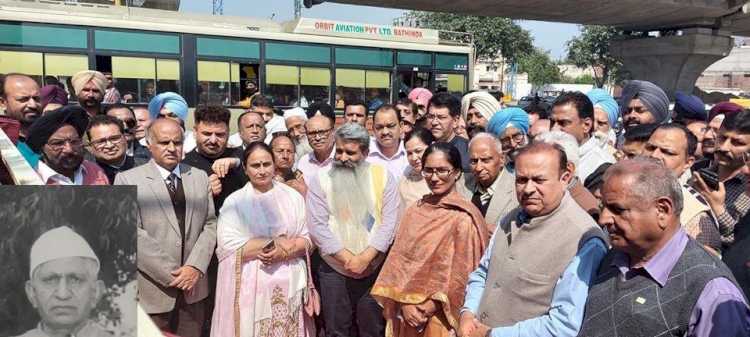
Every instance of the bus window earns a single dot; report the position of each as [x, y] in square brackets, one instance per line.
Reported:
[139, 79]
[451, 83]
[215, 82]
[408, 80]
[378, 84]
[248, 83]
[22, 62]
[60, 68]
[315, 86]
[371, 86]
[282, 84]
[350, 84]
[167, 75]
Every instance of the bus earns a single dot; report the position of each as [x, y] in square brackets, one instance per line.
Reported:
[220, 59]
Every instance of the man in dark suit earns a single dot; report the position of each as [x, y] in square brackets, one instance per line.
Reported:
[176, 232]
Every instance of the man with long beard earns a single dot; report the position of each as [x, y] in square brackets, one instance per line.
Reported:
[352, 214]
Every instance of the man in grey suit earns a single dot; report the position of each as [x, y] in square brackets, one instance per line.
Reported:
[489, 187]
[176, 232]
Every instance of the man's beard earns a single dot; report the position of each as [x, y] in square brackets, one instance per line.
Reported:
[472, 130]
[64, 163]
[351, 195]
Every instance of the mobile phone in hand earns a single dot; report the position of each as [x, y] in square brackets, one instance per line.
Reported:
[711, 178]
[269, 246]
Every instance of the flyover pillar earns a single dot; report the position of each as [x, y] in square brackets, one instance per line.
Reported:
[673, 63]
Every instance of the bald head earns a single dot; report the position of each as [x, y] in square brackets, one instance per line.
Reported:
[165, 137]
[646, 179]
[20, 98]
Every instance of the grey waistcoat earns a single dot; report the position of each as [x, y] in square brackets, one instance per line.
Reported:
[528, 260]
[640, 306]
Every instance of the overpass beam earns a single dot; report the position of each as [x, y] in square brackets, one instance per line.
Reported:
[672, 62]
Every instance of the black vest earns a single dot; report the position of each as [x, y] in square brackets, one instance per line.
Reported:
[737, 256]
[640, 306]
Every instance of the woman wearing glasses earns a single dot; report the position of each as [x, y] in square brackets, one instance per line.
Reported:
[442, 231]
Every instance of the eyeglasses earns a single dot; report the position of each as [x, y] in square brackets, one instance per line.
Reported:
[318, 133]
[58, 144]
[99, 143]
[637, 109]
[430, 117]
[517, 138]
[441, 172]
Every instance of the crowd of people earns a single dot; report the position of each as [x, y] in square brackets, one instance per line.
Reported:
[434, 216]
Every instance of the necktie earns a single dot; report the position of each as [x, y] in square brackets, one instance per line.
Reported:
[478, 199]
[172, 184]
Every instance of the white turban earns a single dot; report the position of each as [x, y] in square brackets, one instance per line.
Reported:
[59, 243]
[80, 79]
[295, 112]
[485, 103]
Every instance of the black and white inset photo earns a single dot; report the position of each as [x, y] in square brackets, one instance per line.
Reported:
[67, 261]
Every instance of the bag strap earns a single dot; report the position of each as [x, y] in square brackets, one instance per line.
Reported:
[310, 283]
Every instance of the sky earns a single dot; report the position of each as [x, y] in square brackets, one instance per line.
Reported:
[549, 36]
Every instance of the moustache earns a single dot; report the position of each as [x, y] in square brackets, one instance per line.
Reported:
[345, 163]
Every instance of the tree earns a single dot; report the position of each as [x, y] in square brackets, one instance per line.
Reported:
[492, 35]
[539, 66]
[591, 49]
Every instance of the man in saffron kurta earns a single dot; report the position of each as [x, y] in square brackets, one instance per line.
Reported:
[446, 234]
[352, 213]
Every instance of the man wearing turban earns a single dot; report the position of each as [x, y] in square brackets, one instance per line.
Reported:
[511, 126]
[65, 307]
[477, 108]
[89, 86]
[53, 97]
[690, 111]
[171, 105]
[643, 102]
[57, 136]
[606, 114]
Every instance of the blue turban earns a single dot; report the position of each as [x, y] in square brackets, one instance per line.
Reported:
[689, 107]
[603, 100]
[504, 118]
[171, 101]
[653, 97]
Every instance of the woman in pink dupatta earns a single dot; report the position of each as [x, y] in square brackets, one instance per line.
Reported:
[260, 289]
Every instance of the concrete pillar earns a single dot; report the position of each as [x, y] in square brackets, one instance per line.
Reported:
[672, 62]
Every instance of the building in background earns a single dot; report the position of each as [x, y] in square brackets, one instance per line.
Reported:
[730, 75]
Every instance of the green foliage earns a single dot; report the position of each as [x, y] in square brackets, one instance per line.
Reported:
[584, 79]
[591, 49]
[539, 66]
[492, 35]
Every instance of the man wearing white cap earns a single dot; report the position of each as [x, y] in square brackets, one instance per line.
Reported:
[295, 120]
[64, 285]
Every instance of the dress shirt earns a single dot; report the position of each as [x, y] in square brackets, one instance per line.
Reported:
[737, 204]
[309, 165]
[165, 174]
[47, 174]
[318, 214]
[568, 300]
[396, 164]
[591, 156]
[720, 310]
